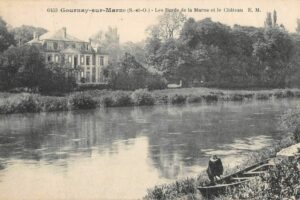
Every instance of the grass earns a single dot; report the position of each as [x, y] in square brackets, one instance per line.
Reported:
[21, 102]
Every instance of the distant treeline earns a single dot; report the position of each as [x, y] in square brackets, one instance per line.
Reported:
[213, 54]
[200, 53]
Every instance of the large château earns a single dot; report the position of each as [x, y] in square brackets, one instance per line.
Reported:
[68, 51]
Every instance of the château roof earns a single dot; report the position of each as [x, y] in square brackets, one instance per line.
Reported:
[60, 34]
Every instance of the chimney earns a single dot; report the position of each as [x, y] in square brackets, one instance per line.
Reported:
[64, 32]
[90, 41]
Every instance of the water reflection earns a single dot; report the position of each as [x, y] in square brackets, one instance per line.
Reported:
[119, 152]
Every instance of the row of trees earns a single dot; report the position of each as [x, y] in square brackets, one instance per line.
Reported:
[207, 53]
[200, 53]
[215, 54]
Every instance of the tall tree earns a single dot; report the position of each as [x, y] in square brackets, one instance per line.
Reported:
[135, 49]
[274, 18]
[268, 21]
[169, 25]
[298, 26]
[109, 42]
[6, 38]
[23, 66]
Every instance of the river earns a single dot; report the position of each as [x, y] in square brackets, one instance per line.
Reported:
[117, 153]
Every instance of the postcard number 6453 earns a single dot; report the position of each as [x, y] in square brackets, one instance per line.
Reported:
[52, 9]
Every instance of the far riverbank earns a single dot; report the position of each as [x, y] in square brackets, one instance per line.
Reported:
[30, 102]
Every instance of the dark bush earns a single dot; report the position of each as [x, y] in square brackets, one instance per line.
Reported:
[84, 87]
[289, 94]
[194, 99]
[237, 97]
[106, 101]
[178, 99]
[54, 104]
[121, 98]
[21, 104]
[211, 98]
[82, 101]
[142, 97]
[261, 96]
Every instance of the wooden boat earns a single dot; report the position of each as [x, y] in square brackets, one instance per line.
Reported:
[233, 180]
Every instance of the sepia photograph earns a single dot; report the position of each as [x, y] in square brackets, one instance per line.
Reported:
[149, 99]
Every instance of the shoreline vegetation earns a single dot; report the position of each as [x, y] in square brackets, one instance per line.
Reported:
[281, 181]
[30, 102]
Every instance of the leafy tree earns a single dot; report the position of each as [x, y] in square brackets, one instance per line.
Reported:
[25, 67]
[54, 79]
[206, 32]
[6, 38]
[274, 18]
[25, 33]
[108, 42]
[298, 26]
[135, 49]
[268, 21]
[273, 54]
[169, 25]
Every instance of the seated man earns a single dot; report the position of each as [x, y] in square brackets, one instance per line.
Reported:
[215, 168]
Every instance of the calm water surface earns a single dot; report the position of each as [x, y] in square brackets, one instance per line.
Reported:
[120, 152]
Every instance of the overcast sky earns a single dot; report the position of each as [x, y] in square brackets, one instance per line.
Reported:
[131, 26]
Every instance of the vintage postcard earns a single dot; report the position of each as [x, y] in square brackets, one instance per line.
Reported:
[149, 99]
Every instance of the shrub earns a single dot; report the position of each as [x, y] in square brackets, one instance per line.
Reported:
[261, 96]
[82, 101]
[142, 97]
[194, 99]
[178, 99]
[211, 98]
[279, 94]
[19, 104]
[106, 101]
[237, 97]
[279, 183]
[121, 98]
[54, 104]
[290, 93]
[161, 99]
[297, 93]
[249, 96]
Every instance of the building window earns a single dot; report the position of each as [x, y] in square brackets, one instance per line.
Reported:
[101, 60]
[49, 45]
[94, 74]
[70, 59]
[87, 62]
[56, 58]
[88, 78]
[73, 46]
[94, 60]
[55, 45]
[49, 58]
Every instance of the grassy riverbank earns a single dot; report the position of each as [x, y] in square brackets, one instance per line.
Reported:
[187, 189]
[279, 183]
[27, 102]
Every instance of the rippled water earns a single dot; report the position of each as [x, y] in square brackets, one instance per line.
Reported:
[120, 152]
